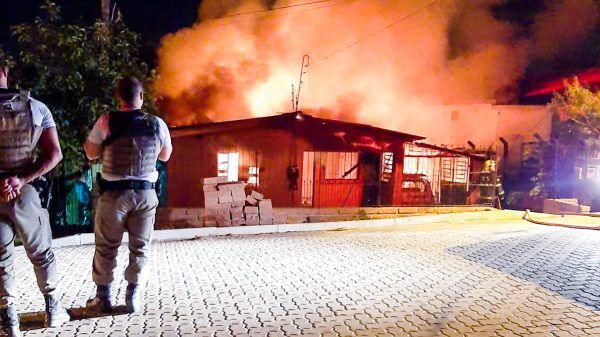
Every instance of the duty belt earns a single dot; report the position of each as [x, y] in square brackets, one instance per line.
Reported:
[124, 185]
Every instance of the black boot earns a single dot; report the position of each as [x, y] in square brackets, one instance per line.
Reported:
[133, 298]
[10, 320]
[56, 315]
[101, 303]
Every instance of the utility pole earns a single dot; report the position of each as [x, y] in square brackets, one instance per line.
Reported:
[105, 7]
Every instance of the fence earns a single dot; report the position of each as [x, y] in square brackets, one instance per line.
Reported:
[73, 195]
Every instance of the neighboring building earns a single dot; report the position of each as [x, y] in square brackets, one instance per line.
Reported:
[483, 125]
[298, 160]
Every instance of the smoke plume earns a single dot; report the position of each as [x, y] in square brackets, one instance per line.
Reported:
[376, 62]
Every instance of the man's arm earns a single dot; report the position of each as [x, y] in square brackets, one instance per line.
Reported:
[165, 153]
[92, 150]
[50, 156]
[165, 136]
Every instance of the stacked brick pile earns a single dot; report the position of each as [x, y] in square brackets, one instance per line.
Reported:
[227, 204]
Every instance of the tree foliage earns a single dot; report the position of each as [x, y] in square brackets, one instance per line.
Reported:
[578, 112]
[73, 68]
[575, 137]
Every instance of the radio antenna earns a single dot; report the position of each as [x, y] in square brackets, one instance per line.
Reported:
[303, 70]
[293, 98]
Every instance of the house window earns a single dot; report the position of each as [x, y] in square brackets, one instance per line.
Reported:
[228, 165]
[253, 175]
[387, 166]
[341, 165]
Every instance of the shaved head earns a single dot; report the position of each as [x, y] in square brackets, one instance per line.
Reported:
[129, 90]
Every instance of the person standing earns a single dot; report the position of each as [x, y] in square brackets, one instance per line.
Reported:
[26, 129]
[129, 142]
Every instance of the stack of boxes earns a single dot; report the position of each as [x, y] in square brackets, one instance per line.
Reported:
[252, 215]
[227, 204]
[265, 209]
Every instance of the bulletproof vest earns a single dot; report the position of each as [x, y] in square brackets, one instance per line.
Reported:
[132, 145]
[18, 134]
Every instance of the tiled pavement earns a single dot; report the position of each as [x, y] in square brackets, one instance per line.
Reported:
[468, 279]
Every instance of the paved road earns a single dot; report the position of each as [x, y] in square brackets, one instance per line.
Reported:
[470, 279]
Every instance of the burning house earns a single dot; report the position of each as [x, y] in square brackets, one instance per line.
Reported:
[432, 75]
[303, 161]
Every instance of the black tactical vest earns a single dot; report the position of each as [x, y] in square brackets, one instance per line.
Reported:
[133, 144]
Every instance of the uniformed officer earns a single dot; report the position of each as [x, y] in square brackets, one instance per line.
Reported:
[26, 123]
[129, 142]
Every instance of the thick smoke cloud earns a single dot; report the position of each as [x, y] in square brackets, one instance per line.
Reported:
[230, 66]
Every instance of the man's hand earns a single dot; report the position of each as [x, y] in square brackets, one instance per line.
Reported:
[16, 183]
[50, 156]
[11, 188]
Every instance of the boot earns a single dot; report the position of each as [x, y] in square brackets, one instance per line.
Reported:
[56, 315]
[133, 298]
[10, 320]
[101, 303]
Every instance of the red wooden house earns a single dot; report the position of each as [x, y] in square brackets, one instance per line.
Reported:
[295, 159]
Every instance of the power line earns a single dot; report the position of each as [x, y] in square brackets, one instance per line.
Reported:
[381, 30]
[260, 11]
[242, 17]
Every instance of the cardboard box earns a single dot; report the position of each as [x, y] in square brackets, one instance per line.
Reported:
[210, 223]
[238, 222]
[211, 199]
[237, 213]
[210, 220]
[252, 217]
[209, 188]
[251, 201]
[250, 210]
[265, 205]
[238, 196]
[257, 195]
[224, 223]
[210, 212]
[223, 212]
[265, 209]
[267, 216]
[225, 197]
[252, 222]
[238, 203]
[214, 180]
[226, 206]
[237, 186]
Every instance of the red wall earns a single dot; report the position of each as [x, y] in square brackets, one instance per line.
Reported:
[273, 151]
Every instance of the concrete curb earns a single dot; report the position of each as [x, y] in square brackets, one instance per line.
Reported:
[167, 235]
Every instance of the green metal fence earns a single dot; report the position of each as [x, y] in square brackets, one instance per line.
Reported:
[73, 196]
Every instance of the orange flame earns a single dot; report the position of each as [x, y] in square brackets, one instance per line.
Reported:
[377, 62]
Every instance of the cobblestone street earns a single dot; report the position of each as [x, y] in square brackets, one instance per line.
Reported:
[468, 279]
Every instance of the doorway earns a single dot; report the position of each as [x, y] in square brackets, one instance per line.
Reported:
[371, 163]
